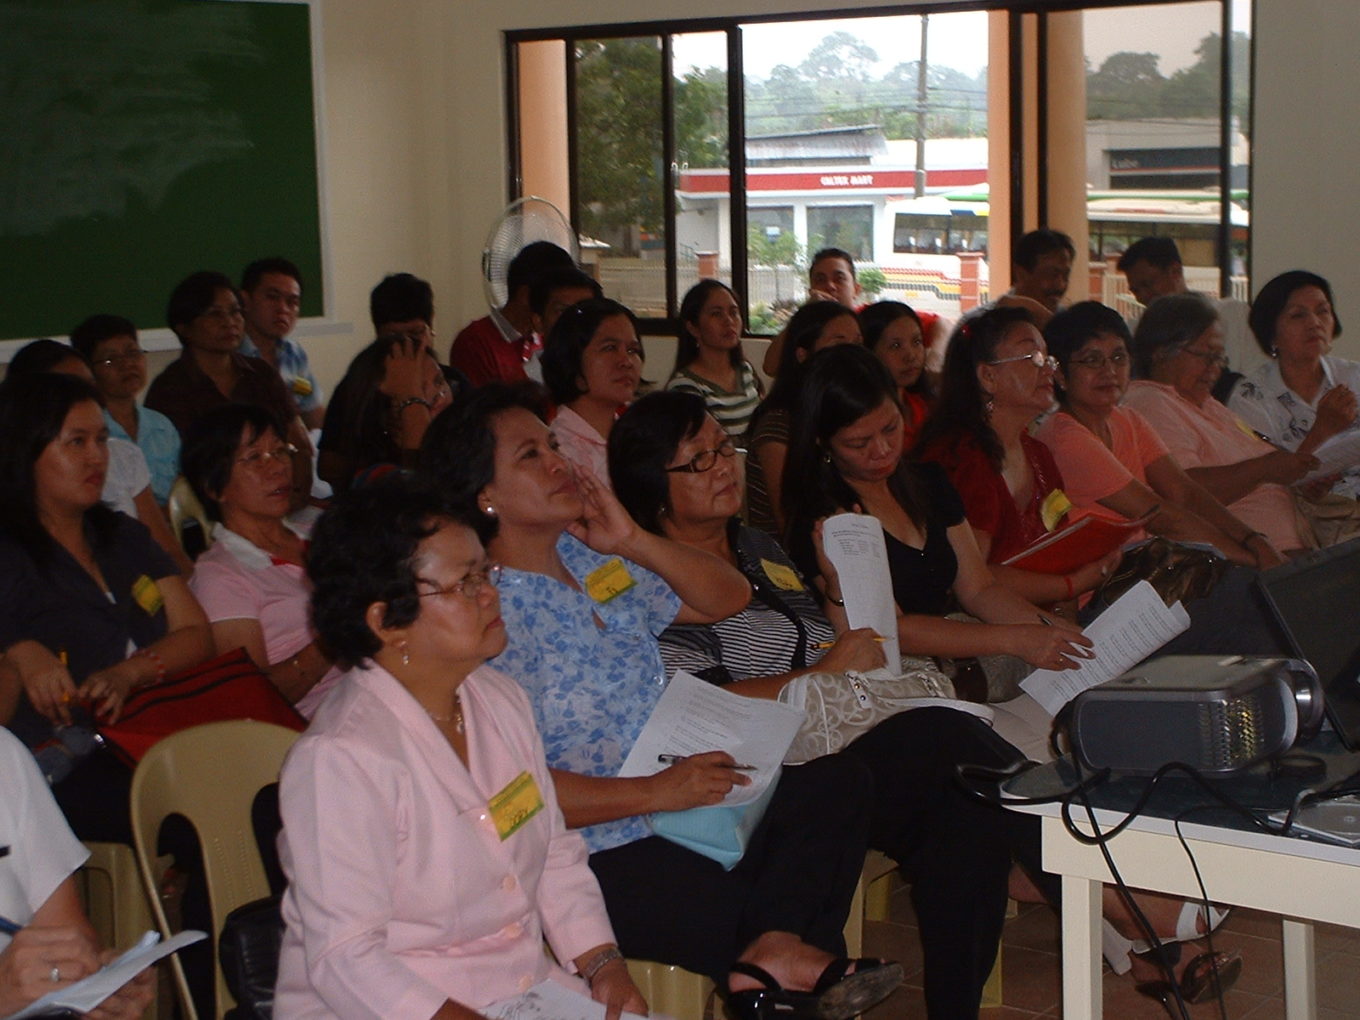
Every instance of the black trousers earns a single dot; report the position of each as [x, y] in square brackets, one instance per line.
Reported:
[954, 848]
[799, 874]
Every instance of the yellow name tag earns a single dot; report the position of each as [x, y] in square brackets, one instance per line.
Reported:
[302, 386]
[515, 805]
[1056, 505]
[784, 578]
[609, 581]
[147, 594]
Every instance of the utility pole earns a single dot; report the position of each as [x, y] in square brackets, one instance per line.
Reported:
[921, 110]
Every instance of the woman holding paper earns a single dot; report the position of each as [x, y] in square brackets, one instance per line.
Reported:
[584, 592]
[52, 945]
[846, 451]
[427, 858]
[675, 472]
[997, 379]
[1303, 396]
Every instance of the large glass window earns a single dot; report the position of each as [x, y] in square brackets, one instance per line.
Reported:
[874, 134]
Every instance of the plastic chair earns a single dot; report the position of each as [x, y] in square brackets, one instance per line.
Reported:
[114, 899]
[209, 774]
[183, 506]
[671, 991]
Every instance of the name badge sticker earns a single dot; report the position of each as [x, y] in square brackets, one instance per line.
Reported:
[1055, 506]
[609, 581]
[515, 805]
[147, 594]
[783, 577]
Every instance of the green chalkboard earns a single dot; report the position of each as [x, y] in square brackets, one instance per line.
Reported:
[141, 140]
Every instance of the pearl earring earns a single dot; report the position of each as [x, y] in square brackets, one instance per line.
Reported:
[405, 654]
[489, 510]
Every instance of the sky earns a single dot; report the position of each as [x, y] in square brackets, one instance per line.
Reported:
[960, 40]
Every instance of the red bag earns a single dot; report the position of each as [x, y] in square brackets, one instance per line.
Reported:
[230, 686]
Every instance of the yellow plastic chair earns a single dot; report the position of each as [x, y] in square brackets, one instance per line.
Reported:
[672, 991]
[209, 774]
[183, 506]
[114, 899]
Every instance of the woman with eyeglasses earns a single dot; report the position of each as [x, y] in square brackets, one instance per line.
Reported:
[428, 862]
[1178, 353]
[251, 579]
[584, 594]
[676, 473]
[1110, 457]
[997, 379]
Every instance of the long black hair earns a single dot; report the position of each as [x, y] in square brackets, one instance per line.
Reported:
[874, 319]
[839, 387]
[800, 335]
[32, 413]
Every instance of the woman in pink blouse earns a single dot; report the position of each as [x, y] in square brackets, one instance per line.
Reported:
[592, 365]
[426, 855]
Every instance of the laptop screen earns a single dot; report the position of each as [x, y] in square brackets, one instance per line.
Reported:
[1316, 598]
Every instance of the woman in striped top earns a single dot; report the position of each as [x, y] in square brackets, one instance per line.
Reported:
[709, 361]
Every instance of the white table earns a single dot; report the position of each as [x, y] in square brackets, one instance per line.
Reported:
[1302, 881]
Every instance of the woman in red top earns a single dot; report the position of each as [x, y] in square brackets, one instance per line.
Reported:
[997, 379]
[896, 335]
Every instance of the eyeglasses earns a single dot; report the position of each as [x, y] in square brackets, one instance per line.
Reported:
[234, 312]
[118, 359]
[469, 587]
[704, 460]
[256, 460]
[1035, 357]
[1217, 358]
[1095, 362]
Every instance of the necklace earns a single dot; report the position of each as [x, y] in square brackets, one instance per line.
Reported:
[455, 717]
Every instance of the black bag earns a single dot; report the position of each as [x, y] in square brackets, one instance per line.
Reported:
[249, 952]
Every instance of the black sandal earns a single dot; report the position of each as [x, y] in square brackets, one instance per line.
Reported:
[1205, 977]
[838, 995]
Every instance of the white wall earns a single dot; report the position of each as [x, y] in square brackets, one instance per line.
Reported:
[415, 141]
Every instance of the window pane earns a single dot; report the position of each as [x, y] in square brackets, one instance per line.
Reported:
[1154, 162]
[703, 229]
[619, 168]
[834, 109]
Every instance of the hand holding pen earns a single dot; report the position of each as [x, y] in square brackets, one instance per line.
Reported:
[696, 780]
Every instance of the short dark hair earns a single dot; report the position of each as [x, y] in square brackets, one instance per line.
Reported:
[833, 253]
[1155, 251]
[1069, 330]
[1167, 325]
[1037, 243]
[253, 273]
[561, 278]
[532, 261]
[1271, 299]
[401, 297]
[361, 553]
[962, 404]
[642, 441]
[94, 330]
[32, 413]
[687, 346]
[458, 453]
[42, 356]
[562, 348]
[193, 296]
[210, 444]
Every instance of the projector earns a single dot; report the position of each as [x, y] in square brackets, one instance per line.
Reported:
[1217, 714]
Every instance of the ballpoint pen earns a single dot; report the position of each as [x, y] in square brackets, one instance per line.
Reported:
[671, 759]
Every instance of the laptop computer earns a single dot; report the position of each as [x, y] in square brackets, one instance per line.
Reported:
[1316, 599]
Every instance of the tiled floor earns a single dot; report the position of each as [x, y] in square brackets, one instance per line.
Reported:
[1031, 977]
